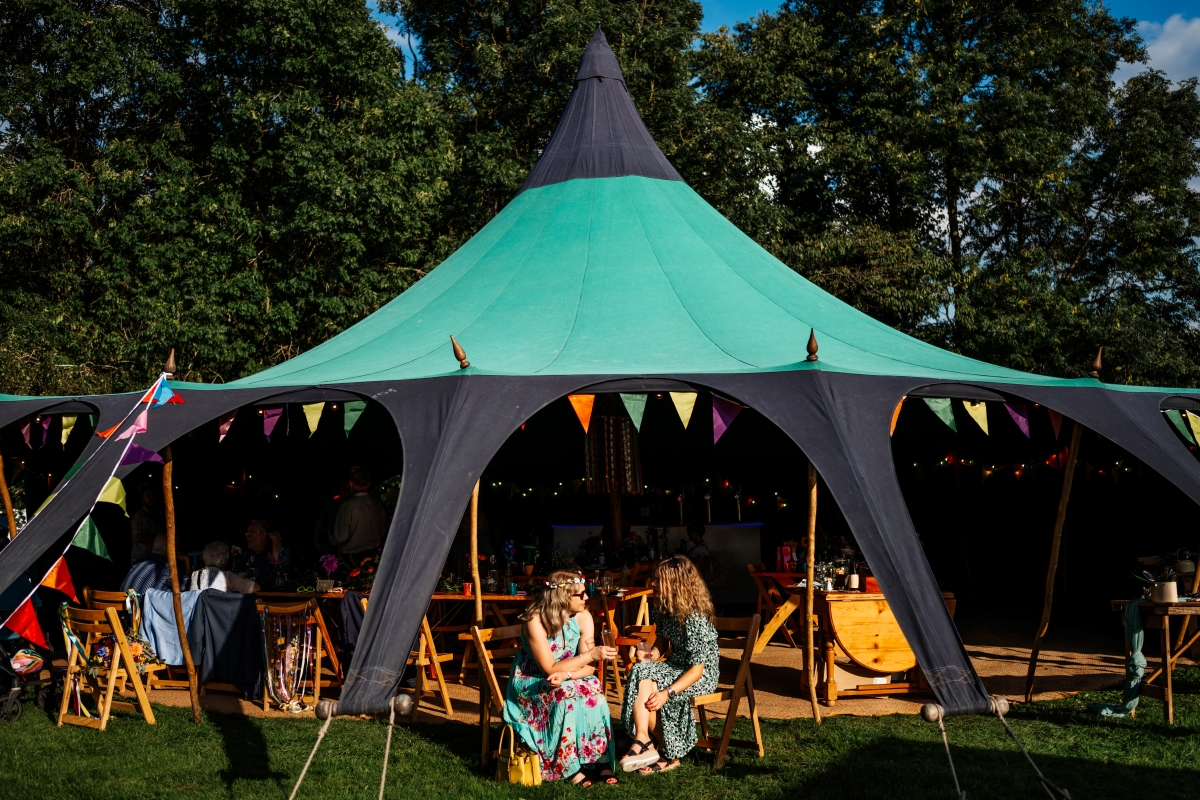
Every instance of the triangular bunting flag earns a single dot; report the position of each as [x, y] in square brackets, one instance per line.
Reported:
[1020, 415]
[270, 420]
[140, 423]
[724, 413]
[60, 578]
[93, 419]
[635, 404]
[46, 430]
[164, 395]
[74, 468]
[223, 424]
[353, 410]
[136, 454]
[942, 407]
[1055, 421]
[88, 538]
[68, 423]
[582, 403]
[684, 402]
[25, 431]
[1194, 423]
[977, 410]
[114, 492]
[312, 414]
[896, 416]
[23, 623]
[45, 503]
[107, 432]
[1177, 420]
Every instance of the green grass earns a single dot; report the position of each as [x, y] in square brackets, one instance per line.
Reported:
[846, 757]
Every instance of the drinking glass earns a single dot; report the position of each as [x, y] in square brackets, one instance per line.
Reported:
[606, 583]
[643, 650]
[609, 637]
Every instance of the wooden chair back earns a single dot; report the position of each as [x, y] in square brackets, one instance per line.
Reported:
[89, 626]
[98, 599]
[487, 647]
[428, 662]
[743, 686]
[770, 598]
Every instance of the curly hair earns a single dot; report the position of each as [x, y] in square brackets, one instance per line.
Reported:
[553, 603]
[681, 591]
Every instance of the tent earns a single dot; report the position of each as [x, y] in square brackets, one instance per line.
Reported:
[607, 273]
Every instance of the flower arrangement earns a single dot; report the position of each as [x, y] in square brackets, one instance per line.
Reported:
[360, 575]
[330, 564]
[143, 654]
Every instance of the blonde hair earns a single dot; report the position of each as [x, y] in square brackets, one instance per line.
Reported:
[553, 604]
[681, 591]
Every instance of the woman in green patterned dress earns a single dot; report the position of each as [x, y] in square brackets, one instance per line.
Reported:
[683, 615]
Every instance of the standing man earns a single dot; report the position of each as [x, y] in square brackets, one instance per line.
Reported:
[146, 524]
[362, 521]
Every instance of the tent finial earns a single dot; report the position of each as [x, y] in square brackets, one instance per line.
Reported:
[169, 367]
[812, 345]
[1097, 365]
[459, 353]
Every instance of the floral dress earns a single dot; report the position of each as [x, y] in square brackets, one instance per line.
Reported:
[567, 726]
[694, 642]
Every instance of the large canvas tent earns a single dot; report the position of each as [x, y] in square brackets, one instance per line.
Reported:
[608, 273]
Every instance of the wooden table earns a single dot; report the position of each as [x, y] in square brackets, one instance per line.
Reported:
[1158, 615]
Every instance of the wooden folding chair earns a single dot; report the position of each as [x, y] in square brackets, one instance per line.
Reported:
[89, 627]
[769, 599]
[427, 659]
[490, 695]
[98, 600]
[324, 674]
[743, 686]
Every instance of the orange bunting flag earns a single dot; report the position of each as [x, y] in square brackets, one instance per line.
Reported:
[107, 433]
[896, 415]
[582, 403]
[23, 623]
[59, 578]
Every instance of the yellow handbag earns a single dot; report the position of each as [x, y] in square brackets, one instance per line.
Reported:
[519, 766]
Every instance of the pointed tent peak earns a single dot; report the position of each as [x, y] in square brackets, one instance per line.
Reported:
[599, 61]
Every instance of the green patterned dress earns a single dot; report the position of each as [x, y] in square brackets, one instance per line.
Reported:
[693, 643]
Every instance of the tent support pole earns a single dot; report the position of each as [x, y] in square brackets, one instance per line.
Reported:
[811, 556]
[1055, 545]
[8, 509]
[477, 587]
[168, 490]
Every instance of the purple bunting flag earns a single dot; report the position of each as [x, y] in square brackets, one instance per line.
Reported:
[270, 420]
[724, 413]
[136, 454]
[1020, 415]
[46, 429]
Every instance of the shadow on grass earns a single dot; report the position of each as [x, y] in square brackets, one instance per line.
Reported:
[245, 750]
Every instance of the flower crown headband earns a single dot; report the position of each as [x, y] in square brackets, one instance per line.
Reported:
[566, 583]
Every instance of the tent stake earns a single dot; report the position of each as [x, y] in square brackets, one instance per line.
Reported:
[811, 556]
[8, 509]
[1055, 544]
[477, 587]
[173, 567]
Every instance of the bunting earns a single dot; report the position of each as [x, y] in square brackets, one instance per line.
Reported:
[635, 404]
[223, 423]
[270, 420]
[1194, 422]
[46, 430]
[88, 538]
[68, 423]
[114, 492]
[25, 431]
[136, 454]
[140, 423]
[1020, 415]
[977, 410]
[944, 410]
[23, 623]
[896, 416]
[582, 403]
[160, 394]
[59, 578]
[353, 410]
[684, 402]
[724, 413]
[1177, 420]
[107, 432]
[312, 415]
[1055, 421]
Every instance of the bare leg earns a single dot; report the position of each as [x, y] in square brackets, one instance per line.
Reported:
[641, 714]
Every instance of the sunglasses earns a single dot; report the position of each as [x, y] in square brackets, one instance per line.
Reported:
[581, 594]
[673, 563]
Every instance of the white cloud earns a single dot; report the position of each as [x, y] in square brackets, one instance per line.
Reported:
[1173, 47]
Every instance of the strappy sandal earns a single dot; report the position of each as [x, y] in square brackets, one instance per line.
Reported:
[646, 754]
[609, 777]
[580, 780]
[657, 766]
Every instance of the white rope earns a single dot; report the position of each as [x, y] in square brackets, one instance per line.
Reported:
[958, 792]
[308, 763]
[387, 748]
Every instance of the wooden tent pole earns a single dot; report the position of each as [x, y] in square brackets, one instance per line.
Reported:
[477, 587]
[8, 509]
[168, 490]
[1055, 545]
[809, 558]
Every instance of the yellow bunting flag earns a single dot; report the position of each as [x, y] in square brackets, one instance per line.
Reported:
[684, 402]
[582, 403]
[68, 422]
[312, 413]
[1194, 424]
[896, 415]
[977, 412]
[114, 492]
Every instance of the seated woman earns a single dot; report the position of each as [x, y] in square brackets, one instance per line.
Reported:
[215, 576]
[554, 701]
[683, 614]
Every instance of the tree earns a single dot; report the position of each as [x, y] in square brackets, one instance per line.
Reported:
[238, 180]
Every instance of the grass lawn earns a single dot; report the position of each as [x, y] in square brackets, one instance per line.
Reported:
[846, 757]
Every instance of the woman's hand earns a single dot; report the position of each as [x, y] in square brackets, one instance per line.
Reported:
[556, 679]
[597, 654]
[649, 655]
[656, 701]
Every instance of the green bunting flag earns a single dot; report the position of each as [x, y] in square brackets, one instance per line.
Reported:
[354, 410]
[1181, 426]
[635, 404]
[88, 538]
[945, 412]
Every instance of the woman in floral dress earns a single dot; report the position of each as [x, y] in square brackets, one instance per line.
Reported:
[683, 614]
[554, 701]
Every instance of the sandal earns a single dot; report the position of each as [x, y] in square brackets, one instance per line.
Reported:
[608, 776]
[657, 766]
[646, 754]
[580, 780]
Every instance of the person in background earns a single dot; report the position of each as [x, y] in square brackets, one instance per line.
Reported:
[146, 523]
[362, 521]
[152, 572]
[265, 558]
[323, 528]
[697, 552]
[215, 576]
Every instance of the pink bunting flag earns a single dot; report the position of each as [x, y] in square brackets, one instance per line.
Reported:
[724, 413]
[138, 426]
[136, 454]
[1020, 415]
[223, 425]
[1055, 421]
[45, 430]
[25, 432]
[270, 420]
